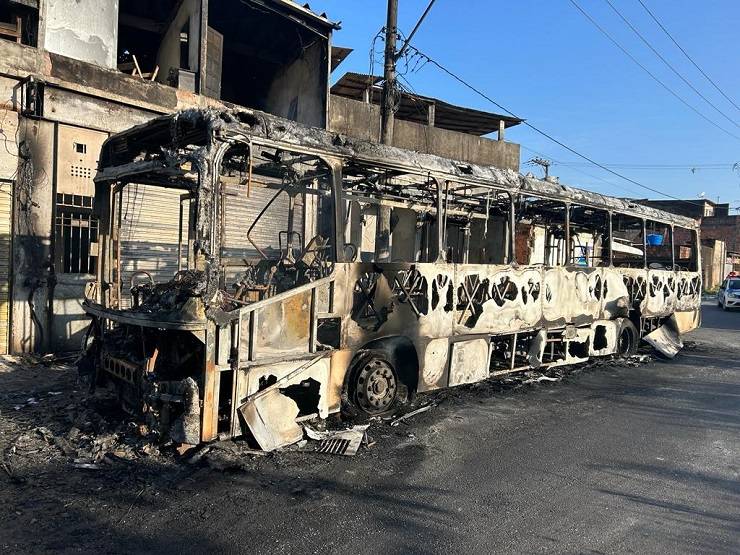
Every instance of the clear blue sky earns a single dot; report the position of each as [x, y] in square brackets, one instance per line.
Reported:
[545, 62]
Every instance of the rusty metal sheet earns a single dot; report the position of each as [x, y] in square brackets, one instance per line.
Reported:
[604, 337]
[285, 374]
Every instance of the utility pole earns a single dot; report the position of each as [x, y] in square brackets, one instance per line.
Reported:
[543, 163]
[387, 108]
[387, 113]
[389, 75]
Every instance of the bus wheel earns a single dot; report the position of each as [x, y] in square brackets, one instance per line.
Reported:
[374, 385]
[627, 340]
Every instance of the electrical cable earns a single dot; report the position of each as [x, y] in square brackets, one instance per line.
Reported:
[541, 132]
[667, 63]
[574, 167]
[650, 73]
[689, 58]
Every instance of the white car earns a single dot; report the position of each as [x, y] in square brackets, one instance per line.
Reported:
[728, 295]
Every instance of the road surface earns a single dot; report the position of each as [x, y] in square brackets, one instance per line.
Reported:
[613, 459]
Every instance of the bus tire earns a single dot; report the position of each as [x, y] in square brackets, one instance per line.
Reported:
[627, 340]
[374, 387]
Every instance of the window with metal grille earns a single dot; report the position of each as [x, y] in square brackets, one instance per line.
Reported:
[76, 235]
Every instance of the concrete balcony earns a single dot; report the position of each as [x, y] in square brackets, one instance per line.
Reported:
[415, 128]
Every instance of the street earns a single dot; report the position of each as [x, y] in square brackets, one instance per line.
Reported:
[614, 458]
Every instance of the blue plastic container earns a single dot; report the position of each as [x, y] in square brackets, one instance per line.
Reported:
[654, 239]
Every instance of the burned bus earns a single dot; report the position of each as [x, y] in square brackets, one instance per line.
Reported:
[253, 273]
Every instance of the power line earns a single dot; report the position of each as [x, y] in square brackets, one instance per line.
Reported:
[689, 58]
[413, 31]
[646, 70]
[667, 63]
[537, 130]
[573, 166]
[664, 166]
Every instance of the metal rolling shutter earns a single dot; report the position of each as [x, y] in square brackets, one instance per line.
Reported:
[241, 212]
[150, 223]
[6, 203]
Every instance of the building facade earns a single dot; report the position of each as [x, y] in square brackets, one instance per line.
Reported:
[74, 71]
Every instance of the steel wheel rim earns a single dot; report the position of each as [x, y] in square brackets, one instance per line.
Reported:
[376, 386]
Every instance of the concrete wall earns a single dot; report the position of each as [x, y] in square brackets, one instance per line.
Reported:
[362, 120]
[83, 29]
[8, 130]
[32, 235]
[168, 56]
[713, 254]
[8, 169]
[299, 90]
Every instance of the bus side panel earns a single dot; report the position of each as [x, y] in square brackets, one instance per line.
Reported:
[496, 299]
[572, 296]
[688, 291]
[396, 299]
[616, 294]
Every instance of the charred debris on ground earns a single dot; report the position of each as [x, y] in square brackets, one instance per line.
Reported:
[48, 414]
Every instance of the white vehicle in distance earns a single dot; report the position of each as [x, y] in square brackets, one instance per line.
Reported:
[728, 295]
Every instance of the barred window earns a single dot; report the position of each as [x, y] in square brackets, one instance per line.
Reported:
[76, 235]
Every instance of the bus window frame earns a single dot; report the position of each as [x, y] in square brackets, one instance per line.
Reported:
[329, 162]
[569, 234]
[566, 225]
[644, 238]
[669, 228]
[442, 203]
[695, 262]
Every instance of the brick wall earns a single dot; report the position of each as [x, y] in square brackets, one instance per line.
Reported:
[725, 229]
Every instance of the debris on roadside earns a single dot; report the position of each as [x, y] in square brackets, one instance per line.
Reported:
[541, 378]
[338, 442]
[411, 414]
[60, 420]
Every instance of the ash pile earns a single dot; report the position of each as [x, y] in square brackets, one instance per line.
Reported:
[47, 417]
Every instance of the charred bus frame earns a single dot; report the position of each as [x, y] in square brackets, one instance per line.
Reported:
[477, 272]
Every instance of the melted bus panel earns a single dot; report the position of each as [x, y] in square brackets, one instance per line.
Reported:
[318, 274]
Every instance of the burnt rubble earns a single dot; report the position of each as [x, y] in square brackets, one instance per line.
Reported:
[183, 294]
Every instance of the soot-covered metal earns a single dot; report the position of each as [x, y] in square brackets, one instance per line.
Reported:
[319, 274]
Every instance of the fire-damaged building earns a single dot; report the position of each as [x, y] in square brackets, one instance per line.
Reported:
[74, 71]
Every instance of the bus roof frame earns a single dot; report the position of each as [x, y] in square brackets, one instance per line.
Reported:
[275, 131]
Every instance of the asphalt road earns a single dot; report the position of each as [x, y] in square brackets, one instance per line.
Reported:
[613, 459]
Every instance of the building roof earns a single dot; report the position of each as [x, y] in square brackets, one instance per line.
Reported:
[338, 54]
[694, 208]
[414, 107]
[302, 13]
